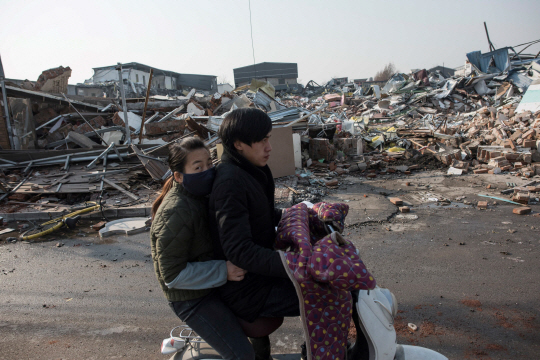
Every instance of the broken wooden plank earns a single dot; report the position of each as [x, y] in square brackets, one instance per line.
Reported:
[155, 168]
[35, 204]
[111, 172]
[121, 189]
[47, 187]
[202, 131]
[15, 188]
[423, 146]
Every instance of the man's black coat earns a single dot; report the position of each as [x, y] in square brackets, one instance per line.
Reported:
[242, 223]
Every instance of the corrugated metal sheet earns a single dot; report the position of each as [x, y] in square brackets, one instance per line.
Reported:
[289, 114]
[200, 82]
[13, 91]
[262, 99]
[482, 61]
[265, 70]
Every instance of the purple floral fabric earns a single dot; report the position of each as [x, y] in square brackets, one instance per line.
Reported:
[325, 272]
[332, 213]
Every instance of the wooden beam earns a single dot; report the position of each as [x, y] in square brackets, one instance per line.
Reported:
[145, 105]
[121, 189]
[423, 146]
[36, 204]
[61, 180]
[15, 188]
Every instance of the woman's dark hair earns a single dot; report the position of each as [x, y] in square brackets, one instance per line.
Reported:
[247, 125]
[178, 154]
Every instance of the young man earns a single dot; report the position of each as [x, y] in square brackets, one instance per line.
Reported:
[243, 219]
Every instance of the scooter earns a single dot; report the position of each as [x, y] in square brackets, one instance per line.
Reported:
[373, 315]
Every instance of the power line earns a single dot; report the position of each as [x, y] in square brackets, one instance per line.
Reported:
[530, 42]
[252, 47]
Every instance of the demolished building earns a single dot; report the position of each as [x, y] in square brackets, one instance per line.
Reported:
[484, 120]
[136, 77]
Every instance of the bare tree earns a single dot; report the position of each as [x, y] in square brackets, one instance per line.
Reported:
[222, 79]
[386, 73]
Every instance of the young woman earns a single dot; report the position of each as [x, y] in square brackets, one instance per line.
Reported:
[183, 256]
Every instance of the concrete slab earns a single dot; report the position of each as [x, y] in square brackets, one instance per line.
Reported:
[365, 204]
[81, 140]
[128, 226]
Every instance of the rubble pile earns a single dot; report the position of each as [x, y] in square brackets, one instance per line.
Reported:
[479, 120]
[473, 121]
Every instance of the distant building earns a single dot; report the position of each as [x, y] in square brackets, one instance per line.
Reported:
[445, 71]
[365, 85]
[224, 88]
[338, 81]
[138, 74]
[280, 75]
[87, 90]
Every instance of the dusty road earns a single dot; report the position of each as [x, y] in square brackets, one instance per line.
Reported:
[469, 279]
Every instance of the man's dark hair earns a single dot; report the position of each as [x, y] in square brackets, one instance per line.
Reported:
[247, 125]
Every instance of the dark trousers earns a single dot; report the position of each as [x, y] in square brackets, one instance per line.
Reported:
[216, 324]
[282, 300]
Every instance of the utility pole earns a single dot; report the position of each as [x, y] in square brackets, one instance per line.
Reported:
[491, 47]
[124, 106]
[6, 110]
[145, 105]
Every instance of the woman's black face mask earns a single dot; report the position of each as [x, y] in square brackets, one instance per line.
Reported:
[200, 184]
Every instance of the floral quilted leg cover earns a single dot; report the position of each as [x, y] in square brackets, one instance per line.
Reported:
[324, 269]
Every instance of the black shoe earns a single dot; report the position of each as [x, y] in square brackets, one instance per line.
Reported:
[303, 351]
[262, 348]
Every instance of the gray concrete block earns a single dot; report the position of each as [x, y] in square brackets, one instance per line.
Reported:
[81, 140]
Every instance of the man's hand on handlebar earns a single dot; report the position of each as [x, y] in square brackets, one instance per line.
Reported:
[234, 273]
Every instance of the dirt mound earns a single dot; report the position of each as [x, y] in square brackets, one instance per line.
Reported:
[426, 161]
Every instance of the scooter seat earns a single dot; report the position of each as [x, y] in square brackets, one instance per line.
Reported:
[263, 326]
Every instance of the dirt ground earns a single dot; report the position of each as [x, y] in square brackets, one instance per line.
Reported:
[467, 278]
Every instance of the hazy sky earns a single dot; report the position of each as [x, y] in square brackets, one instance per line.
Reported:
[326, 38]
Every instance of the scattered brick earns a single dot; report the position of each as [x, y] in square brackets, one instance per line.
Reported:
[529, 143]
[19, 197]
[99, 225]
[482, 205]
[332, 166]
[521, 198]
[334, 182]
[522, 210]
